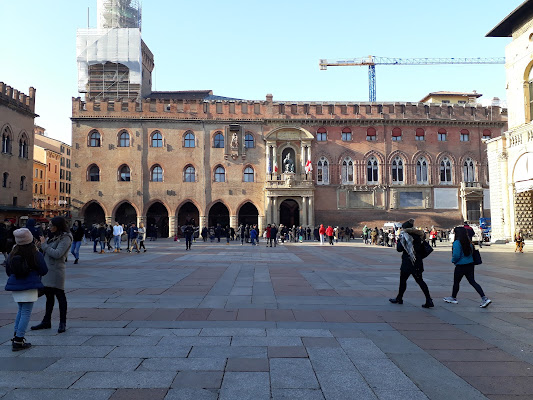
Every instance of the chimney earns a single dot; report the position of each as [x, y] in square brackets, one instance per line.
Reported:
[269, 98]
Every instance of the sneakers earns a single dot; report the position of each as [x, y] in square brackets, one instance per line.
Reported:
[19, 344]
[452, 300]
[396, 301]
[485, 302]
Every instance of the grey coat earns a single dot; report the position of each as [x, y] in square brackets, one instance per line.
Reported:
[55, 253]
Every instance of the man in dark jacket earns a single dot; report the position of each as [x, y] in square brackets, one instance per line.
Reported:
[273, 235]
[188, 232]
[94, 236]
[410, 244]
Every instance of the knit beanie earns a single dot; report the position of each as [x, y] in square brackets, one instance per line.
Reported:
[23, 236]
[408, 224]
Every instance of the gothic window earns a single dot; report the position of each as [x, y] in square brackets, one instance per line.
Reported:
[220, 174]
[249, 141]
[124, 174]
[465, 135]
[156, 174]
[322, 171]
[156, 140]
[371, 134]
[487, 134]
[321, 135]
[190, 140]
[346, 135]
[469, 170]
[6, 141]
[442, 135]
[420, 134]
[372, 171]
[189, 174]
[397, 170]
[124, 139]
[422, 171]
[218, 141]
[396, 134]
[445, 171]
[248, 174]
[94, 139]
[347, 171]
[93, 174]
[23, 147]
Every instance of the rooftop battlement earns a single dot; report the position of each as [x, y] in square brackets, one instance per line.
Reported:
[16, 99]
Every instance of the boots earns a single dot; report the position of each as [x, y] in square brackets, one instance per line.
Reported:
[429, 303]
[76, 261]
[396, 301]
[19, 343]
[42, 325]
[62, 327]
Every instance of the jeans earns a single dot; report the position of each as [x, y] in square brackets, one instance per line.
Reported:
[253, 241]
[95, 243]
[51, 294]
[418, 279]
[102, 245]
[468, 271]
[23, 319]
[75, 249]
[116, 239]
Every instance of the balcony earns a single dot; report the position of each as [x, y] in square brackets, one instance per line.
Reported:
[470, 185]
[286, 181]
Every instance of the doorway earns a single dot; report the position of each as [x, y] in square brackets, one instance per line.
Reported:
[289, 213]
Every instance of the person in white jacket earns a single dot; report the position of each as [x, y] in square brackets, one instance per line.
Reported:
[117, 235]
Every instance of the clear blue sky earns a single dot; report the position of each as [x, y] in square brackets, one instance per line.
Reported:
[246, 49]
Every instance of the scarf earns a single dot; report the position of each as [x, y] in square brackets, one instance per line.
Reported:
[407, 242]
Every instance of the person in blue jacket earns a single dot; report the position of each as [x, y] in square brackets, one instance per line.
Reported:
[24, 287]
[462, 250]
[253, 236]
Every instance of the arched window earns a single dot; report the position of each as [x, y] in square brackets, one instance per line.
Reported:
[220, 174]
[249, 142]
[469, 170]
[6, 141]
[445, 171]
[124, 139]
[371, 134]
[23, 147]
[93, 174]
[94, 139]
[189, 174]
[322, 171]
[346, 134]
[218, 141]
[156, 174]
[487, 134]
[156, 140]
[189, 140]
[442, 135]
[372, 170]
[248, 174]
[347, 171]
[396, 134]
[124, 174]
[422, 171]
[397, 170]
[420, 134]
[22, 182]
[321, 135]
[465, 135]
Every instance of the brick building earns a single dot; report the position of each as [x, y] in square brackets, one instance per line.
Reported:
[39, 178]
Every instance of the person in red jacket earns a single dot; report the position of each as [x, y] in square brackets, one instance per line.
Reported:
[268, 234]
[321, 232]
[329, 233]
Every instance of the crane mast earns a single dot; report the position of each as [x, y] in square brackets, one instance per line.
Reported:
[372, 61]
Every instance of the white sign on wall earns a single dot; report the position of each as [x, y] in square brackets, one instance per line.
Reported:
[446, 198]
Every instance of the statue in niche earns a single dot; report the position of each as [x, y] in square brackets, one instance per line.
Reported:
[288, 164]
[234, 141]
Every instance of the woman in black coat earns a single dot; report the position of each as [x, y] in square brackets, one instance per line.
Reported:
[410, 244]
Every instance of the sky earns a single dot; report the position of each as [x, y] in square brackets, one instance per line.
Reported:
[246, 49]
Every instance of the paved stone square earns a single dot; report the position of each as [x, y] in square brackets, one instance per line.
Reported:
[299, 321]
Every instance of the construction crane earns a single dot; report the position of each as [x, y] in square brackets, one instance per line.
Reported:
[372, 61]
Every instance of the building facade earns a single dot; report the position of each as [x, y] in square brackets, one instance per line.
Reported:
[39, 178]
[17, 114]
[511, 155]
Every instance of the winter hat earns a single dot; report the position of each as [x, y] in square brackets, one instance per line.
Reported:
[408, 224]
[23, 236]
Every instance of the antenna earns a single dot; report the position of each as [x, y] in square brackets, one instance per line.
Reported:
[87, 17]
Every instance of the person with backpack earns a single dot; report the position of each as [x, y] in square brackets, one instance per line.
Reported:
[55, 249]
[77, 237]
[462, 250]
[410, 244]
[25, 267]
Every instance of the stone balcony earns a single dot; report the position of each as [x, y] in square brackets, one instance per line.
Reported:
[288, 181]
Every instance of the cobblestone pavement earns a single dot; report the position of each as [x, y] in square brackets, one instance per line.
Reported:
[299, 321]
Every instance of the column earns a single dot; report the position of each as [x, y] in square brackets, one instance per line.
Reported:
[141, 218]
[261, 223]
[268, 211]
[203, 221]
[311, 215]
[233, 221]
[275, 212]
[172, 226]
[304, 212]
[109, 220]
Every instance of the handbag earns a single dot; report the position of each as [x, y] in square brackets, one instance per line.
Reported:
[427, 249]
[477, 257]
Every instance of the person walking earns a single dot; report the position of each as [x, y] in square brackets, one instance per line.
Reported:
[25, 266]
[433, 236]
[117, 236]
[101, 237]
[94, 237]
[77, 237]
[273, 235]
[365, 234]
[188, 232]
[462, 250]
[329, 234]
[321, 232]
[267, 234]
[132, 238]
[253, 236]
[55, 249]
[227, 232]
[519, 241]
[412, 249]
[141, 236]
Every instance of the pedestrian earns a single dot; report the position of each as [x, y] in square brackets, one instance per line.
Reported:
[77, 237]
[253, 236]
[273, 235]
[132, 238]
[108, 236]
[117, 236]
[205, 233]
[227, 231]
[321, 232]
[25, 266]
[101, 238]
[266, 234]
[329, 234]
[365, 234]
[316, 234]
[188, 231]
[410, 244]
[462, 257]
[35, 229]
[433, 236]
[247, 232]
[141, 236]
[469, 230]
[240, 233]
[94, 237]
[374, 236]
[519, 241]
[218, 232]
[55, 249]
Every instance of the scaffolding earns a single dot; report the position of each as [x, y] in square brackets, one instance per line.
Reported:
[119, 14]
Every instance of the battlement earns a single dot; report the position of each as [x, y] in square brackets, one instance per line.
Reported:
[269, 109]
[17, 99]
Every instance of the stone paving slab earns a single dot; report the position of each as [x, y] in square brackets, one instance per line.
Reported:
[60, 394]
[131, 379]
[183, 364]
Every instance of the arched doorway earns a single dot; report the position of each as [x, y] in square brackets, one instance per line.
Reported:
[289, 213]
[94, 214]
[126, 214]
[157, 216]
[218, 214]
[188, 213]
[248, 214]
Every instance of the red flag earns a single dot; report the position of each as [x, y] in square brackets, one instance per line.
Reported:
[308, 166]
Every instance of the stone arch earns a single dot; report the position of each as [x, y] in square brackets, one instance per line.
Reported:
[89, 137]
[152, 202]
[219, 213]
[188, 211]
[84, 207]
[523, 167]
[247, 216]
[91, 214]
[211, 204]
[443, 154]
[374, 153]
[422, 153]
[120, 203]
[398, 153]
[9, 129]
[157, 218]
[347, 153]
[304, 133]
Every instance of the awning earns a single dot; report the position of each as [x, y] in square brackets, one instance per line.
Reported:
[523, 186]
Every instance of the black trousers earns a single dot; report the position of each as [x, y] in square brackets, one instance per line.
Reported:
[141, 245]
[188, 242]
[272, 240]
[466, 270]
[51, 294]
[418, 279]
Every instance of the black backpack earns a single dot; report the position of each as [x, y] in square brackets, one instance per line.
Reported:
[19, 267]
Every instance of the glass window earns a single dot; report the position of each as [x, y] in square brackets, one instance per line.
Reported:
[347, 171]
[23, 147]
[445, 171]
[6, 141]
[397, 170]
[248, 174]
[249, 141]
[420, 134]
[465, 135]
[124, 139]
[220, 174]
[124, 174]
[189, 174]
[157, 139]
[22, 182]
[346, 134]
[442, 135]
[5, 176]
[396, 134]
[94, 174]
[218, 142]
[189, 140]
[157, 174]
[422, 171]
[371, 134]
[322, 171]
[94, 139]
[469, 170]
[321, 135]
[487, 134]
[372, 170]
